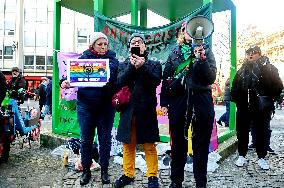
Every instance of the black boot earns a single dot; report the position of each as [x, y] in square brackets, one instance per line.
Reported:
[85, 177]
[175, 185]
[105, 177]
[123, 181]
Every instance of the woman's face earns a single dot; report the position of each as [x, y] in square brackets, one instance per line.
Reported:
[101, 46]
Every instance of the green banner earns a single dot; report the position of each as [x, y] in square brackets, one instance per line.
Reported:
[160, 41]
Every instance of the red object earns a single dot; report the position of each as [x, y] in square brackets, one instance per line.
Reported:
[121, 99]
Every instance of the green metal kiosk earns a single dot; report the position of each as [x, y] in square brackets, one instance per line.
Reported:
[169, 9]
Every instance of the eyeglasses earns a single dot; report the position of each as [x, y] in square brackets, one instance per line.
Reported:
[251, 52]
[102, 43]
[137, 41]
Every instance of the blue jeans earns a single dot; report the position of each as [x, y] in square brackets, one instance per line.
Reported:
[90, 117]
[225, 117]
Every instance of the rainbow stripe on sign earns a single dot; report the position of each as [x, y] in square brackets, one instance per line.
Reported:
[88, 72]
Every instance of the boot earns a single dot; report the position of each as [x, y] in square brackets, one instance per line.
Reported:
[85, 178]
[105, 177]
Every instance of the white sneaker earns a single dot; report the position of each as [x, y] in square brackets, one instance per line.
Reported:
[263, 164]
[241, 161]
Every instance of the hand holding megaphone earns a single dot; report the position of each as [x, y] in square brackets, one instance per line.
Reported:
[199, 52]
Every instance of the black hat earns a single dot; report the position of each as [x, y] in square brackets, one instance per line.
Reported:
[253, 49]
[15, 69]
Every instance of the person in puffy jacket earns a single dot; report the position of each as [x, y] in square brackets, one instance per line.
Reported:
[95, 110]
[186, 97]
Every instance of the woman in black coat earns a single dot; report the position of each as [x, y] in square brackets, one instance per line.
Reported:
[183, 95]
[138, 122]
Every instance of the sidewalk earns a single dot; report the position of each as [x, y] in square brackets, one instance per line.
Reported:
[35, 167]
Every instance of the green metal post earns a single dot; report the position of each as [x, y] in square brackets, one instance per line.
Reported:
[232, 126]
[99, 6]
[172, 11]
[134, 12]
[143, 13]
[56, 47]
[233, 63]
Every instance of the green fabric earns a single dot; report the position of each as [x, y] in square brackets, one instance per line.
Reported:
[68, 124]
[186, 51]
[160, 41]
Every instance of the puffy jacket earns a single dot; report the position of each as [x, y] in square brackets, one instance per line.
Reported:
[90, 95]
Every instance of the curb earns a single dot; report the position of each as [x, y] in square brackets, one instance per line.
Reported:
[50, 140]
[228, 147]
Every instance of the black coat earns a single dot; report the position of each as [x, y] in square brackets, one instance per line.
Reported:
[200, 76]
[143, 83]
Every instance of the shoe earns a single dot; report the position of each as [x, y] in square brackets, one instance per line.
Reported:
[85, 178]
[220, 122]
[263, 164]
[271, 151]
[153, 182]
[241, 161]
[123, 181]
[105, 177]
[175, 185]
[251, 147]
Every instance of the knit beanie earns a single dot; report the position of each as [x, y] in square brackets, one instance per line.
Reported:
[95, 36]
[137, 35]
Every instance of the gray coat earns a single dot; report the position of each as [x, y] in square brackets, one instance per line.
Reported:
[143, 83]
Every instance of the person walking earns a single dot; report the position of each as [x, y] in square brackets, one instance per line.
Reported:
[42, 96]
[95, 110]
[138, 122]
[255, 87]
[186, 96]
[225, 117]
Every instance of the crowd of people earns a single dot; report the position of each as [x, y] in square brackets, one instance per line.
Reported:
[186, 97]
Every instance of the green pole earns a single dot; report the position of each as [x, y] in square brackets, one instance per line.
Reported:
[99, 6]
[143, 14]
[233, 63]
[172, 11]
[134, 12]
[56, 47]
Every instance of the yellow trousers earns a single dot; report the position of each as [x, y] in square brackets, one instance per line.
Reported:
[129, 154]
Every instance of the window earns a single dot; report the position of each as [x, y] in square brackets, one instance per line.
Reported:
[11, 6]
[0, 54]
[41, 36]
[82, 36]
[41, 15]
[8, 50]
[40, 60]
[29, 38]
[30, 15]
[29, 62]
[49, 62]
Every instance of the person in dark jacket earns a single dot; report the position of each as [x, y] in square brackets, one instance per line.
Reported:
[186, 97]
[42, 96]
[95, 110]
[225, 117]
[48, 98]
[255, 84]
[138, 122]
[17, 85]
[3, 87]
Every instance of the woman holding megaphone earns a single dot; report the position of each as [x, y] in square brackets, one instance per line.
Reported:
[186, 97]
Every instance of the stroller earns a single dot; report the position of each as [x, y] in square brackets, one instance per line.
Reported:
[13, 125]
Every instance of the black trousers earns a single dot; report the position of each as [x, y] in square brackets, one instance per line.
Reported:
[202, 122]
[260, 120]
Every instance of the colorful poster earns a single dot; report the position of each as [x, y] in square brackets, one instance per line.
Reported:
[88, 72]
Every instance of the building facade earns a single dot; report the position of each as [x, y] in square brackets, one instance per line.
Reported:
[26, 36]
